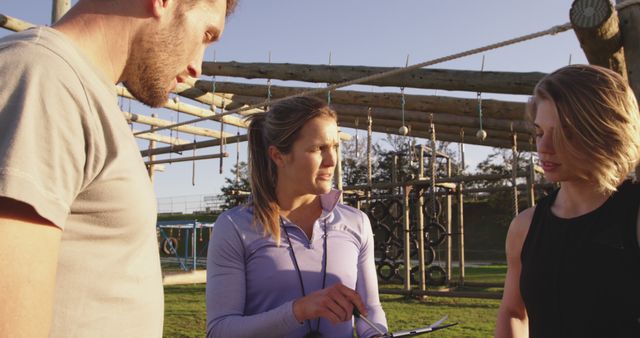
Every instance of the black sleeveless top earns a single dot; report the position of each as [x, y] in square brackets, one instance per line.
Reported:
[580, 277]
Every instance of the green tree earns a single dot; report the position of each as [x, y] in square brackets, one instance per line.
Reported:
[236, 188]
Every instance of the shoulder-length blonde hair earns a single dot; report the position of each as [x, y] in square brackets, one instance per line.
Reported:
[599, 120]
[280, 127]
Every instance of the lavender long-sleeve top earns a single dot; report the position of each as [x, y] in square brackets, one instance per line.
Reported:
[252, 283]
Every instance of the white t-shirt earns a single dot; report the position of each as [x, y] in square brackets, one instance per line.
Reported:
[66, 150]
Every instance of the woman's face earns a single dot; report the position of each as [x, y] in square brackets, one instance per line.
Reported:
[556, 165]
[309, 167]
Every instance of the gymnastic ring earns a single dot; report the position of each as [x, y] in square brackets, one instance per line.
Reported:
[170, 243]
[386, 271]
[436, 275]
[435, 233]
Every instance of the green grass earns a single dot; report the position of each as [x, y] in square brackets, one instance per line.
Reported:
[185, 312]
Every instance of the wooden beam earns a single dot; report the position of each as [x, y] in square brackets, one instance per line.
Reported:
[187, 89]
[161, 138]
[416, 117]
[14, 24]
[191, 110]
[187, 159]
[424, 127]
[156, 122]
[595, 23]
[441, 104]
[447, 79]
[630, 26]
[197, 145]
[446, 137]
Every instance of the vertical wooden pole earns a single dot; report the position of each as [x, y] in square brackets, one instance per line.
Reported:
[629, 18]
[407, 239]
[421, 245]
[461, 232]
[449, 230]
[59, 8]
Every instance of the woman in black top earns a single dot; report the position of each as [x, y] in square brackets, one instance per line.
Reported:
[574, 260]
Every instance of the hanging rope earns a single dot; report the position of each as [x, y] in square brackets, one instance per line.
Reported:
[193, 163]
[223, 139]
[481, 134]
[328, 91]
[267, 103]
[551, 31]
[403, 129]
[461, 167]
[369, 133]
[356, 125]
[213, 86]
[434, 158]
[237, 156]
[514, 169]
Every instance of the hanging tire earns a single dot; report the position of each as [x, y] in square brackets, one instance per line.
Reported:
[397, 230]
[386, 271]
[378, 210]
[432, 211]
[435, 233]
[170, 243]
[429, 253]
[380, 251]
[394, 250]
[395, 209]
[436, 275]
[382, 234]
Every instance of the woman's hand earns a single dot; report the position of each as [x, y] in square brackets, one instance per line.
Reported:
[334, 303]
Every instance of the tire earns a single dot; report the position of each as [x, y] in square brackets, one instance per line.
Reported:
[170, 243]
[435, 233]
[386, 271]
[436, 276]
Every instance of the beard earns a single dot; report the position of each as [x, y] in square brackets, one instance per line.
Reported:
[149, 70]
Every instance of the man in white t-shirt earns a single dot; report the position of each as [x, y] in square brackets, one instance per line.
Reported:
[77, 212]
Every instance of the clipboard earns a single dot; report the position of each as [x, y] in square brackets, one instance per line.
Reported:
[422, 330]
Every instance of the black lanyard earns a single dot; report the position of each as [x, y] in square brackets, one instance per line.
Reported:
[311, 333]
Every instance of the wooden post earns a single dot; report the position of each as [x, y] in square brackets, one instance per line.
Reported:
[449, 230]
[407, 239]
[59, 8]
[595, 23]
[422, 270]
[630, 28]
[461, 233]
[629, 18]
[531, 179]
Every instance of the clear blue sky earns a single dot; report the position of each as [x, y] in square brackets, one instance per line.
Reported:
[364, 32]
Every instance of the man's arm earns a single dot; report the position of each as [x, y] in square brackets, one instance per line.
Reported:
[28, 262]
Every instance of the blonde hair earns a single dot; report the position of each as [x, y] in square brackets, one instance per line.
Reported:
[280, 127]
[599, 119]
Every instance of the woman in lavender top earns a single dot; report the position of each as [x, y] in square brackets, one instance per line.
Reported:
[293, 262]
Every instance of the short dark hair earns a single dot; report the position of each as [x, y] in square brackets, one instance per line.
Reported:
[231, 5]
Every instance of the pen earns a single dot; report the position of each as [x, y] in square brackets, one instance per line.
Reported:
[357, 314]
